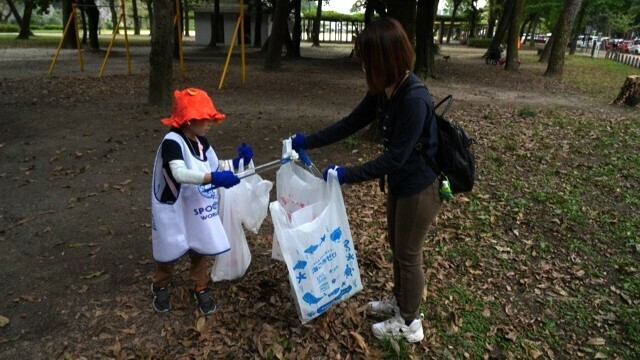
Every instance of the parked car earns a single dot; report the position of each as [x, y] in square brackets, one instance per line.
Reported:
[634, 49]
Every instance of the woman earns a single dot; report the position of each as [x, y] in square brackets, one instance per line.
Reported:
[402, 110]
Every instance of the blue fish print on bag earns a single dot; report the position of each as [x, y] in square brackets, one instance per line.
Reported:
[310, 299]
[311, 249]
[336, 234]
[300, 265]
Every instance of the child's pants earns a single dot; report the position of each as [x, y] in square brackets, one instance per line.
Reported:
[199, 272]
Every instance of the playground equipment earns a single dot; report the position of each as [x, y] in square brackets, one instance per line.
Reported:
[239, 25]
[122, 19]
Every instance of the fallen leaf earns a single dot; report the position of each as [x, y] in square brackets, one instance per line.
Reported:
[600, 355]
[596, 341]
[3, 321]
[200, 323]
[92, 274]
[359, 340]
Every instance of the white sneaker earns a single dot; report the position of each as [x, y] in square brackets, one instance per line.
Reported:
[384, 308]
[395, 327]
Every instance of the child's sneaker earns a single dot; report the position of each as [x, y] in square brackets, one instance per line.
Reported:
[205, 302]
[161, 298]
[384, 308]
[396, 327]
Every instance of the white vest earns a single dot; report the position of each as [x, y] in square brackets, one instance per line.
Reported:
[192, 221]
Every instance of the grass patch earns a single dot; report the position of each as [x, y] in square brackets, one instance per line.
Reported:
[596, 77]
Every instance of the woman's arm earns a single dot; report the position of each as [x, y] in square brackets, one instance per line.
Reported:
[360, 117]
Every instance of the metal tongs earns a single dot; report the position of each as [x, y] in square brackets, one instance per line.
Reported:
[288, 155]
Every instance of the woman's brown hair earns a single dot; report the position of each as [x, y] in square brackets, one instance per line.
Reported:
[386, 53]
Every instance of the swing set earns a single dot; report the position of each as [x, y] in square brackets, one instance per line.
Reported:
[177, 21]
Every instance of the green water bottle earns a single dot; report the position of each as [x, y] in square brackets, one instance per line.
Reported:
[445, 190]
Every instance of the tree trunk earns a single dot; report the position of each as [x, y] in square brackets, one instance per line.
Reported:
[15, 12]
[425, 47]
[577, 28]
[503, 25]
[377, 6]
[456, 4]
[70, 40]
[514, 35]
[214, 24]
[532, 30]
[85, 32]
[25, 28]
[493, 11]
[316, 25]
[473, 19]
[114, 14]
[160, 57]
[405, 12]
[556, 56]
[177, 29]
[150, 13]
[297, 30]
[136, 18]
[274, 52]
[93, 17]
[630, 92]
[257, 32]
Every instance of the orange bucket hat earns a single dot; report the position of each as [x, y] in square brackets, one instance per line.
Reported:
[192, 104]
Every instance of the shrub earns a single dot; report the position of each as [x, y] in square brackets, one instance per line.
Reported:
[334, 16]
[9, 28]
[479, 43]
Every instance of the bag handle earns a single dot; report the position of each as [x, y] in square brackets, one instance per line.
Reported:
[449, 100]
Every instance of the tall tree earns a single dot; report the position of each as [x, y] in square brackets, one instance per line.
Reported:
[214, 23]
[150, 12]
[70, 40]
[562, 32]
[93, 17]
[114, 14]
[257, 32]
[315, 32]
[160, 57]
[136, 17]
[514, 34]
[577, 29]
[25, 26]
[503, 25]
[425, 46]
[473, 18]
[454, 12]
[405, 12]
[274, 52]
[493, 12]
[297, 30]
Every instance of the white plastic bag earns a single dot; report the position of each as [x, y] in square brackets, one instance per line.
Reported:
[245, 203]
[317, 247]
[296, 188]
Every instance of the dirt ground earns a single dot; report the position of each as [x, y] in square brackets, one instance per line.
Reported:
[77, 155]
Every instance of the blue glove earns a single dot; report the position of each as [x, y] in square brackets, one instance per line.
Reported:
[225, 179]
[298, 141]
[245, 153]
[338, 169]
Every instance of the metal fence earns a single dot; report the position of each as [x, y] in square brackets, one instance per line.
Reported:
[332, 31]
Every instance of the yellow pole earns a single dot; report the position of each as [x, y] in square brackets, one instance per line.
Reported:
[79, 45]
[106, 57]
[244, 71]
[64, 34]
[126, 37]
[226, 64]
[178, 21]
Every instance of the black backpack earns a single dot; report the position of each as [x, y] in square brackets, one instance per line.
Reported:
[454, 158]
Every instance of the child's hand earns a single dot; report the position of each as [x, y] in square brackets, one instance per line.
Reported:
[299, 141]
[225, 179]
[245, 153]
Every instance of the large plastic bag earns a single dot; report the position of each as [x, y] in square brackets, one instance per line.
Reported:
[317, 246]
[296, 188]
[245, 203]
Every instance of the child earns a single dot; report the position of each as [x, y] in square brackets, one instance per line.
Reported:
[184, 202]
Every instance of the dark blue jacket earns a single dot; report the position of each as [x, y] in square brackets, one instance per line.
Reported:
[401, 120]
